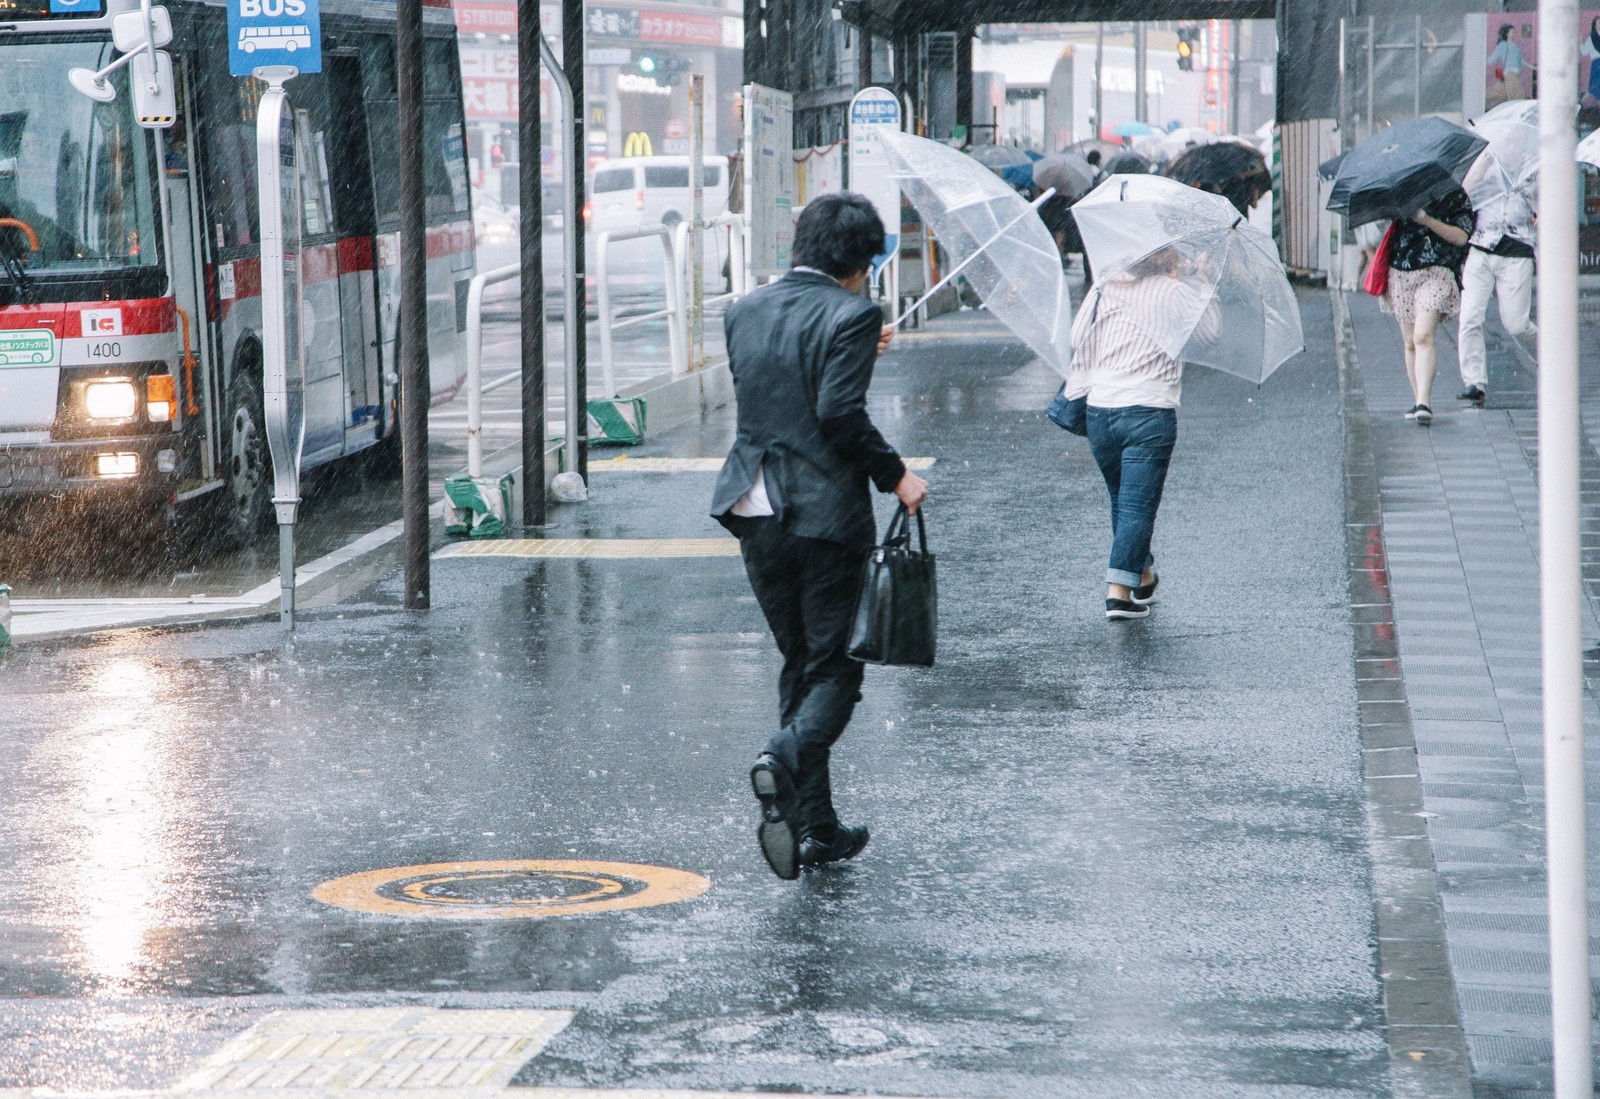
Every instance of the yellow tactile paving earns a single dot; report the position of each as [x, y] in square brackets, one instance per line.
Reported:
[594, 547]
[623, 463]
[426, 1053]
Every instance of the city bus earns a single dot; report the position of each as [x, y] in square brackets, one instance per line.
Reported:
[130, 308]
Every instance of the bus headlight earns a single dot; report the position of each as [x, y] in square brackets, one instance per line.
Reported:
[110, 400]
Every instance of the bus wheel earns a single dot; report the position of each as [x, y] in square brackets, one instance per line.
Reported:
[249, 470]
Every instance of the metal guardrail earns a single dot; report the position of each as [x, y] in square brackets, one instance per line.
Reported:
[674, 312]
[475, 386]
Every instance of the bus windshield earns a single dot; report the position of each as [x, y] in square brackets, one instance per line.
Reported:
[80, 174]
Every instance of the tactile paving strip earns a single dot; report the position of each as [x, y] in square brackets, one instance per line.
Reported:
[623, 463]
[594, 547]
[424, 1053]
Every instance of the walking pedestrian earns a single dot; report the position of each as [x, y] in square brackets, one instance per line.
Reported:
[1130, 386]
[1499, 264]
[795, 491]
[1425, 287]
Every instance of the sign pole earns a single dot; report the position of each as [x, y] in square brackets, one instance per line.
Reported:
[530, 184]
[872, 112]
[282, 349]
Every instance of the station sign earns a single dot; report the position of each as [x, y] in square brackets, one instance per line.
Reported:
[274, 32]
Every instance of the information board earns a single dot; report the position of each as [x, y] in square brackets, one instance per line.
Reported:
[769, 178]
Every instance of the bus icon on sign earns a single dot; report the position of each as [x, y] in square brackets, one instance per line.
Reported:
[287, 38]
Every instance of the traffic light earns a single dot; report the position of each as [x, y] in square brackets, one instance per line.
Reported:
[1188, 39]
[666, 71]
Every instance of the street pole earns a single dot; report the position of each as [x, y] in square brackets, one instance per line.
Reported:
[577, 333]
[1233, 82]
[1560, 579]
[1099, 71]
[530, 186]
[696, 342]
[415, 390]
[1140, 107]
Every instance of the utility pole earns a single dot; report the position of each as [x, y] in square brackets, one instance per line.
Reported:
[1141, 109]
[1099, 72]
[578, 400]
[530, 185]
[415, 387]
[1233, 81]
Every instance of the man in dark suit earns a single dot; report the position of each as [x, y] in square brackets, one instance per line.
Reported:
[795, 491]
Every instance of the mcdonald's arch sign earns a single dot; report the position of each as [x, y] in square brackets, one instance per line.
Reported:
[637, 144]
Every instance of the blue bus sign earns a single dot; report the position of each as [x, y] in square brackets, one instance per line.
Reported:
[274, 32]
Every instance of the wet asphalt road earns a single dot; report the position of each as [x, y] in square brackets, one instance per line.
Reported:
[1106, 860]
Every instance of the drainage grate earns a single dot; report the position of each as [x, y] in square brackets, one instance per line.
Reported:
[426, 1053]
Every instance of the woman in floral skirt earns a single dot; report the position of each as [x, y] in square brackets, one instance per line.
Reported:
[1425, 287]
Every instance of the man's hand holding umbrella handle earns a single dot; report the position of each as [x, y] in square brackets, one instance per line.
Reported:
[911, 490]
[884, 337]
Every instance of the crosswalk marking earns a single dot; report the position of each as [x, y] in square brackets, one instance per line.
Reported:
[593, 547]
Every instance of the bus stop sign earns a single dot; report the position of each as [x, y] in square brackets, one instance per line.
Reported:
[274, 32]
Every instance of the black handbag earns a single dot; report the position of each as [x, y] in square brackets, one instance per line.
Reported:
[1071, 413]
[898, 611]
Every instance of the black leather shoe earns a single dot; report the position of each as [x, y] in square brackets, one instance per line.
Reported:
[847, 843]
[774, 788]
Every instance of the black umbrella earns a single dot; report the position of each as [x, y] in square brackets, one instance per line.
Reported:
[1236, 172]
[1127, 164]
[1398, 171]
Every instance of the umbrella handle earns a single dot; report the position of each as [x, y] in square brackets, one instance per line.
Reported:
[1032, 207]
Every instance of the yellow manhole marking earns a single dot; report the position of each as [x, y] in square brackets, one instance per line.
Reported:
[594, 547]
[625, 464]
[515, 889]
[421, 1052]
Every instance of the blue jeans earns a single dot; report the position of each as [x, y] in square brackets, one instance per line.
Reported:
[1133, 447]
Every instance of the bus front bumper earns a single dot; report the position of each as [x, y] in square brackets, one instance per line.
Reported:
[139, 465]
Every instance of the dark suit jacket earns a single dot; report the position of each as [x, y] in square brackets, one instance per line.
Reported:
[802, 351]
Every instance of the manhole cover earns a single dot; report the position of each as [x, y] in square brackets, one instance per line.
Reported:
[516, 889]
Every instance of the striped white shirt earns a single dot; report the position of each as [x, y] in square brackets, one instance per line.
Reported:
[1117, 358]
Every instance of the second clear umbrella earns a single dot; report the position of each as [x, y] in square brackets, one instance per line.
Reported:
[1232, 310]
[993, 236]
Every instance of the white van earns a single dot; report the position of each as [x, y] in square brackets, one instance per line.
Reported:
[645, 190]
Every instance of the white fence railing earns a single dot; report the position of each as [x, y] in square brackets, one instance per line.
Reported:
[610, 324]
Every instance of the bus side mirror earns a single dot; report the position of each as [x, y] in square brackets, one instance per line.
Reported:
[155, 100]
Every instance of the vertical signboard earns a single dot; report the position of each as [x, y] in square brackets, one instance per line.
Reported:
[768, 178]
[282, 349]
[872, 111]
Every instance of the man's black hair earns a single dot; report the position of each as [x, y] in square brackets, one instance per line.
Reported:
[839, 233]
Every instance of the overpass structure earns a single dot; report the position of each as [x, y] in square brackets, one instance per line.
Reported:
[1341, 69]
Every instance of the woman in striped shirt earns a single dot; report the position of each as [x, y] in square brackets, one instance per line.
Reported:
[1122, 368]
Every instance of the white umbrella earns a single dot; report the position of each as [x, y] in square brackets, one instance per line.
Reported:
[1589, 150]
[1525, 111]
[1239, 314]
[1507, 171]
[993, 237]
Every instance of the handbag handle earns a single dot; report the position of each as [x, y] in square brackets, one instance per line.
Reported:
[899, 532]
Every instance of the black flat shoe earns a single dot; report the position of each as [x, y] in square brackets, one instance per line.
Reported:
[776, 834]
[1145, 594]
[847, 843]
[1474, 393]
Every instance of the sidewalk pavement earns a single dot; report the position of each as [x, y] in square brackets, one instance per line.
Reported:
[1190, 855]
[1458, 506]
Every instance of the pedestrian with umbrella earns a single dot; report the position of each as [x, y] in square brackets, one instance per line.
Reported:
[1236, 172]
[1072, 177]
[1411, 175]
[1183, 280]
[1503, 186]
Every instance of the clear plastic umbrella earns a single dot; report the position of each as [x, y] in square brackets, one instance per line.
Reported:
[1525, 111]
[1239, 315]
[1589, 150]
[1507, 172]
[994, 238]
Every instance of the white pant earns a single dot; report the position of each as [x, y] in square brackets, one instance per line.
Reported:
[1511, 277]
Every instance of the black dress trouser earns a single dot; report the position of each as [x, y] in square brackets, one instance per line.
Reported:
[807, 589]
